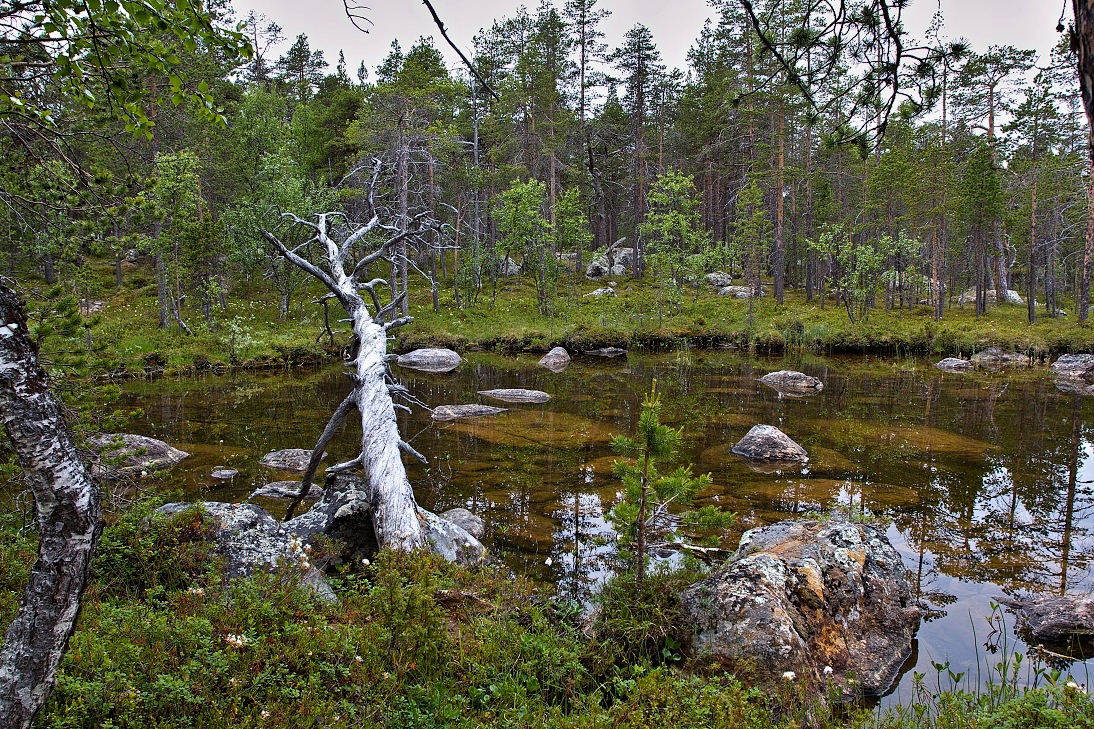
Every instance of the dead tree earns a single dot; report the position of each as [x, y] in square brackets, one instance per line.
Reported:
[394, 509]
[69, 522]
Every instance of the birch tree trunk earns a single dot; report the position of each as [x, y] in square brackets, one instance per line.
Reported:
[69, 523]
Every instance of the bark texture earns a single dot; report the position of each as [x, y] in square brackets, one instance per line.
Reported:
[69, 523]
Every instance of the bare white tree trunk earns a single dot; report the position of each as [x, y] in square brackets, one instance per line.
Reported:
[69, 523]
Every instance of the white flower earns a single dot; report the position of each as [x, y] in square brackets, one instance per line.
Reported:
[236, 640]
[199, 591]
[1076, 687]
[265, 714]
[358, 659]
[789, 675]
[828, 671]
[365, 562]
[548, 562]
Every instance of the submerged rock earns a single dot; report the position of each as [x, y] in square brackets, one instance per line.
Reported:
[250, 539]
[768, 443]
[128, 453]
[557, 360]
[289, 459]
[224, 474]
[430, 360]
[285, 490]
[803, 596]
[994, 358]
[955, 365]
[606, 352]
[517, 396]
[791, 381]
[455, 412]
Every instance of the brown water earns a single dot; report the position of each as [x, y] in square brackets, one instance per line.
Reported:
[985, 478]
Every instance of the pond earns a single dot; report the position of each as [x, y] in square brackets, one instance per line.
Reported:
[985, 479]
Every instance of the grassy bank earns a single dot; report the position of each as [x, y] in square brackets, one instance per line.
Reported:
[413, 642]
[123, 339]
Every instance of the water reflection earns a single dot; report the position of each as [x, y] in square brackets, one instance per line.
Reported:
[987, 479]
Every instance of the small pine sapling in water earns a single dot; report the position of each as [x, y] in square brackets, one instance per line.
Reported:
[643, 517]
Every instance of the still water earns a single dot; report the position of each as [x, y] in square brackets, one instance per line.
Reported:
[985, 479]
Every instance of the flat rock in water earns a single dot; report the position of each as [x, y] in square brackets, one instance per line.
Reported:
[430, 360]
[455, 412]
[768, 443]
[803, 596]
[1055, 619]
[473, 525]
[132, 453]
[289, 459]
[606, 352]
[953, 364]
[789, 380]
[556, 360]
[286, 490]
[224, 474]
[535, 397]
[994, 358]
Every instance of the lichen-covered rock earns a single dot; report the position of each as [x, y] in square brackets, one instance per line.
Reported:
[741, 292]
[994, 358]
[250, 539]
[1073, 365]
[288, 459]
[803, 596]
[1055, 619]
[1009, 297]
[125, 453]
[286, 491]
[443, 413]
[719, 279]
[768, 443]
[508, 267]
[514, 395]
[955, 365]
[608, 352]
[557, 360]
[472, 524]
[791, 381]
[430, 360]
[607, 291]
[450, 540]
[224, 474]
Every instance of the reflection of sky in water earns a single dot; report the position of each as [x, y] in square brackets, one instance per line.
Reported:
[974, 472]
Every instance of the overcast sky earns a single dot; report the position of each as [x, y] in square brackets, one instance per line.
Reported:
[675, 23]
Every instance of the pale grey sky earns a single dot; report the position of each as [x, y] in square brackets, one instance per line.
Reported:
[675, 23]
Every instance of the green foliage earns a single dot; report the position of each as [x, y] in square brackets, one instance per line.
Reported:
[678, 247]
[518, 213]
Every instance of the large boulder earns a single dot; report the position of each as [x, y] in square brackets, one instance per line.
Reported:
[123, 454]
[768, 443]
[994, 358]
[1009, 297]
[557, 360]
[430, 360]
[508, 267]
[287, 459]
[741, 292]
[515, 395]
[470, 523]
[1074, 365]
[793, 382]
[249, 539]
[954, 365]
[719, 279]
[443, 413]
[828, 601]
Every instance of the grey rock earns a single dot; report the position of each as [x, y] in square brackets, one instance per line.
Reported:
[606, 352]
[719, 279]
[286, 491]
[801, 596]
[740, 292]
[470, 523]
[224, 474]
[451, 541]
[129, 453]
[430, 360]
[768, 443]
[454, 412]
[1073, 365]
[953, 364]
[1073, 385]
[250, 539]
[1055, 619]
[1009, 297]
[994, 358]
[535, 397]
[557, 360]
[607, 291]
[289, 459]
[789, 380]
[508, 267]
